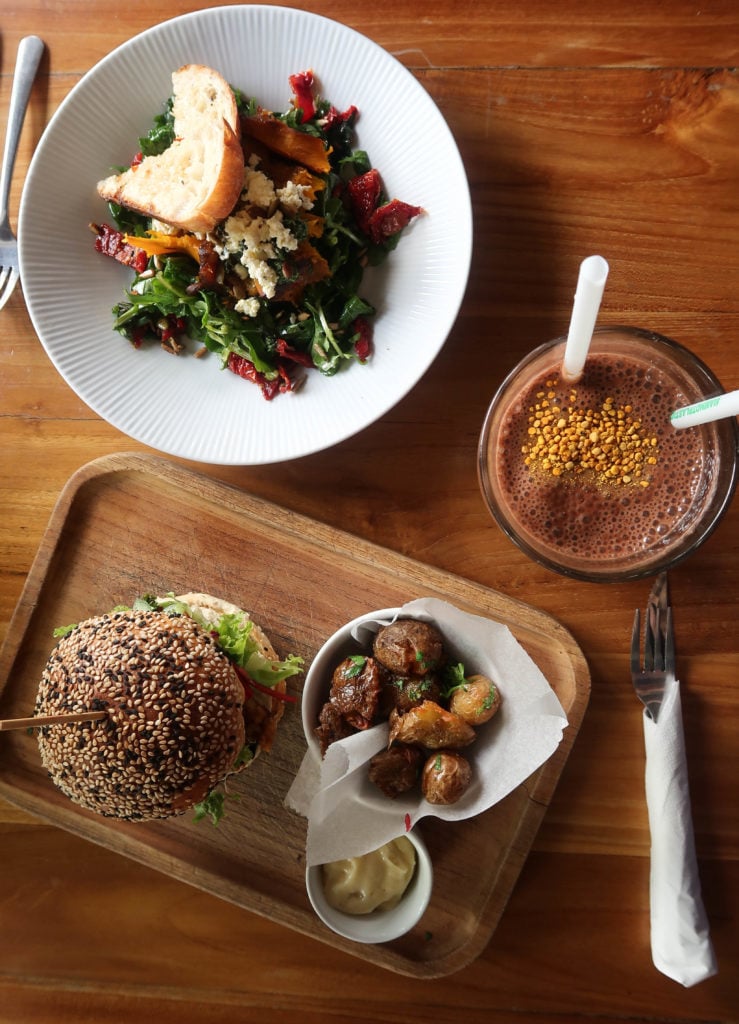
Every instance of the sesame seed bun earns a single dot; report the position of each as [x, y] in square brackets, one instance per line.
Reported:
[177, 716]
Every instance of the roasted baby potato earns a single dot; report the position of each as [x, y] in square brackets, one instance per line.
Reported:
[430, 726]
[475, 700]
[445, 777]
[408, 647]
[402, 693]
[396, 770]
[355, 689]
[354, 700]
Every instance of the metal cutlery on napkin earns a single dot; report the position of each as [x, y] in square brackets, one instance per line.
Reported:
[680, 939]
[30, 51]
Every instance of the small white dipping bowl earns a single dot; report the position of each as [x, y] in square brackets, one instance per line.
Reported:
[379, 925]
[339, 646]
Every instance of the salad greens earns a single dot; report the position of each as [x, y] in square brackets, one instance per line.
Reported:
[323, 322]
[213, 806]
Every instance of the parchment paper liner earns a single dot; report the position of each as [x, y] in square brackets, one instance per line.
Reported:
[348, 816]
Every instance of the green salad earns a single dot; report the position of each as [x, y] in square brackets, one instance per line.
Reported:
[274, 290]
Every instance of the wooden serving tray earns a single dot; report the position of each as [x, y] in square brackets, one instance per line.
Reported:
[125, 525]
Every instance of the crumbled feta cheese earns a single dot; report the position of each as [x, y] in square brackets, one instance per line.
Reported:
[295, 197]
[258, 189]
[261, 272]
[249, 307]
[239, 232]
[282, 235]
[255, 240]
[257, 234]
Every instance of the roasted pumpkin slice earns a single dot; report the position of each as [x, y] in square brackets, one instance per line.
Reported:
[157, 243]
[306, 266]
[288, 142]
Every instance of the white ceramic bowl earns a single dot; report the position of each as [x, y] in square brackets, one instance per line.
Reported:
[340, 645]
[143, 392]
[379, 925]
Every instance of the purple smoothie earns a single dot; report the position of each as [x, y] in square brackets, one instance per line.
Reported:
[584, 521]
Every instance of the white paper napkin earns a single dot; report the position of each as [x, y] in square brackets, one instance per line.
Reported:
[348, 816]
[681, 944]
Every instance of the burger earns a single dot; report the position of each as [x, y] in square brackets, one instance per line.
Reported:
[192, 691]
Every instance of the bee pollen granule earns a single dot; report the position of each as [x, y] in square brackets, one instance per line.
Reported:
[607, 442]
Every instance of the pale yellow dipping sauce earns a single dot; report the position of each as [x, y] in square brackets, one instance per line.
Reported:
[375, 881]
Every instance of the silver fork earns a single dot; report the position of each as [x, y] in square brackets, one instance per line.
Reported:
[30, 51]
[649, 676]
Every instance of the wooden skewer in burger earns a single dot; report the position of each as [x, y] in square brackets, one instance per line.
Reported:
[38, 720]
[192, 691]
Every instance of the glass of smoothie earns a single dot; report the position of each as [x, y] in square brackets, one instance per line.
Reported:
[591, 479]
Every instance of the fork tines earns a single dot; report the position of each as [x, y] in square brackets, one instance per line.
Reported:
[8, 277]
[650, 677]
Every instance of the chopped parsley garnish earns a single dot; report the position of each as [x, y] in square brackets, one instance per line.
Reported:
[356, 666]
[454, 678]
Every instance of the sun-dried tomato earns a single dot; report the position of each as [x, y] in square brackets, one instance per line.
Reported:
[363, 344]
[175, 325]
[302, 87]
[334, 118]
[242, 367]
[288, 352]
[110, 242]
[247, 371]
[287, 383]
[387, 220]
[364, 193]
[138, 337]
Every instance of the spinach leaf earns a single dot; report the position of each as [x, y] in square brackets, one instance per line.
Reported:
[161, 135]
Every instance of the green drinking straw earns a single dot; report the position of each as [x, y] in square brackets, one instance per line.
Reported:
[710, 409]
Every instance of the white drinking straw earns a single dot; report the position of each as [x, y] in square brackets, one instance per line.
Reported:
[707, 411]
[590, 284]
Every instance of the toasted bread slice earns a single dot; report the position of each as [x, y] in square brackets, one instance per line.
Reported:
[196, 181]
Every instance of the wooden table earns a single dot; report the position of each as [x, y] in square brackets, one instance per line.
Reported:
[608, 128]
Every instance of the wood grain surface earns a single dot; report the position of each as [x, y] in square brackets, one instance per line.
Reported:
[584, 128]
